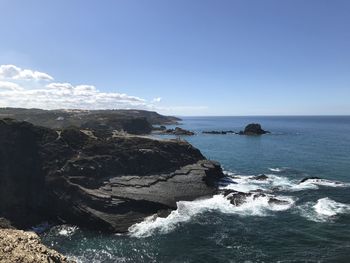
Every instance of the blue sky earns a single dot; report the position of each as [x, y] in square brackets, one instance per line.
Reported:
[201, 57]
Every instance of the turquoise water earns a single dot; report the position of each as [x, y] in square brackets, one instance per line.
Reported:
[313, 227]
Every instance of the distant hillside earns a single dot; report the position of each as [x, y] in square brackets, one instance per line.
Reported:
[132, 121]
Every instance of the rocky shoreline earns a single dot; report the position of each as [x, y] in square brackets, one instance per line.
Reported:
[102, 183]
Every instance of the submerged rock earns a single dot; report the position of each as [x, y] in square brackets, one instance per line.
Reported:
[26, 247]
[260, 177]
[105, 184]
[253, 129]
[238, 198]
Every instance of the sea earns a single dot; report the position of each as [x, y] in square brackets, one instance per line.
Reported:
[312, 225]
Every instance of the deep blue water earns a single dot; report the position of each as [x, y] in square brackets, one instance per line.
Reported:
[313, 227]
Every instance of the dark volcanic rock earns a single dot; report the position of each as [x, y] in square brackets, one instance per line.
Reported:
[253, 129]
[106, 184]
[22, 180]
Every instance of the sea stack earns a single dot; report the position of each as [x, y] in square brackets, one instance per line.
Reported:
[253, 129]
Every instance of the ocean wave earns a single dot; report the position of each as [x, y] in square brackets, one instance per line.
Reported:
[325, 209]
[277, 170]
[323, 182]
[247, 183]
[258, 200]
[186, 210]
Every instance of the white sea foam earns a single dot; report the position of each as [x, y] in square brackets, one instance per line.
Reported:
[277, 170]
[252, 206]
[324, 182]
[329, 207]
[66, 230]
[186, 210]
[325, 209]
[273, 182]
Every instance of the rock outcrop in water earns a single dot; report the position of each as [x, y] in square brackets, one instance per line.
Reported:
[176, 131]
[238, 198]
[105, 183]
[253, 129]
[219, 132]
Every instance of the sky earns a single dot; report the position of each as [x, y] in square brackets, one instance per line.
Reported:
[179, 57]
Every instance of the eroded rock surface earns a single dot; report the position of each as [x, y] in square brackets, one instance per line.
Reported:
[105, 183]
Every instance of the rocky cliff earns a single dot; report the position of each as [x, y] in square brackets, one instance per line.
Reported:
[106, 183]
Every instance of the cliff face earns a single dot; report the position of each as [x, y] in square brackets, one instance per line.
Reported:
[106, 183]
[22, 181]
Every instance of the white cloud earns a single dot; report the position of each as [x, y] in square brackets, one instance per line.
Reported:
[6, 85]
[65, 96]
[158, 99]
[56, 95]
[62, 95]
[14, 72]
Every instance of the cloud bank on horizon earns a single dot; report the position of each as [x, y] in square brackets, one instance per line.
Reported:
[26, 88]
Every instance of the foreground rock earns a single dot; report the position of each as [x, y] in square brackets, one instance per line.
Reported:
[253, 129]
[17, 246]
[106, 183]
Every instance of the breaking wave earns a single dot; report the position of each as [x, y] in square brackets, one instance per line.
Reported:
[255, 205]
[325, 209]
[186, 210]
